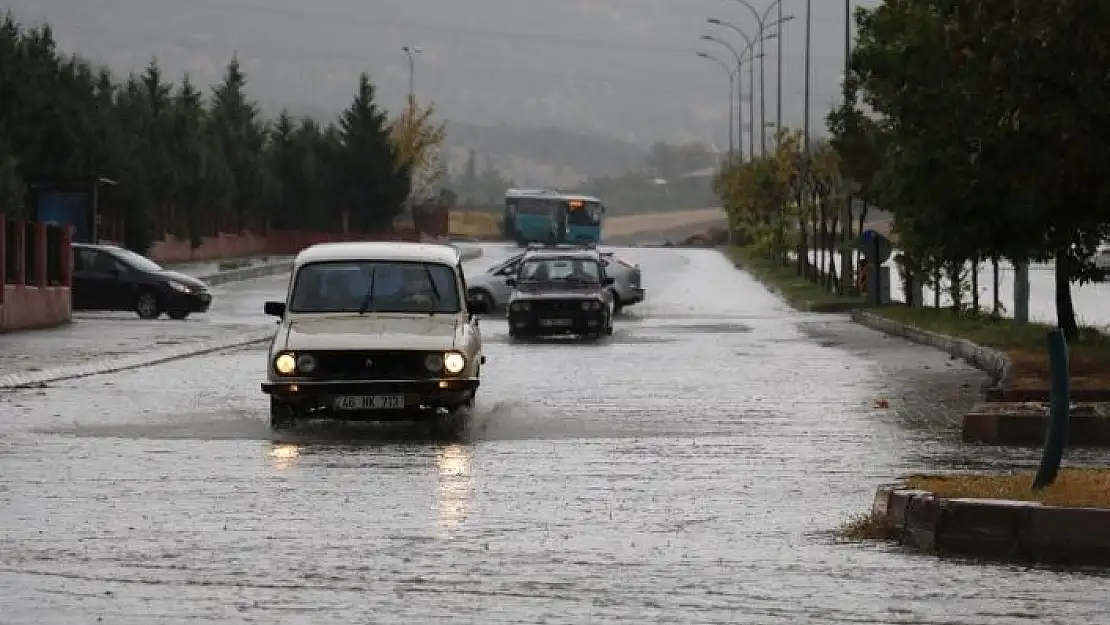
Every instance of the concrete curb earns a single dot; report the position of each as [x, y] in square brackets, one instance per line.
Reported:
[995, 363]
[1025, 531]
[248, 273]
[32, 379]
[1026, 424]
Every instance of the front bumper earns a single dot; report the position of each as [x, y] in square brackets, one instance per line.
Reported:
[556, 323]
[635, 295]
[188, 302]
[318, 395]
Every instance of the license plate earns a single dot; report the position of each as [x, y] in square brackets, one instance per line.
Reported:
[370, 402]
[555, 323]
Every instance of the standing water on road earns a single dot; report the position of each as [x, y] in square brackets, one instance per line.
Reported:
[689, 469]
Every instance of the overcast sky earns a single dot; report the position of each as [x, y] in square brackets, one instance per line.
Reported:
[626, 67]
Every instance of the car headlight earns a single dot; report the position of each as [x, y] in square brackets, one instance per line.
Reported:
[594, 305]
[522, 306]
[177, 286]
[306, 363]
[454, 362]
[433, 363]
[285, 364]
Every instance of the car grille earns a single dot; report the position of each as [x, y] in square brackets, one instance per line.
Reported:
[383, 365]
[556, 307]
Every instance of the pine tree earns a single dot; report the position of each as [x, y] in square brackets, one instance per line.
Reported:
[372, 185]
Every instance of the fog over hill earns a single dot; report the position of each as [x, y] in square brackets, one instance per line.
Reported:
[624, 69]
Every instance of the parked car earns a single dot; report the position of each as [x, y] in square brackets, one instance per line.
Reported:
[374, 332]
[561, 292]
[491, 285]
[106, 277]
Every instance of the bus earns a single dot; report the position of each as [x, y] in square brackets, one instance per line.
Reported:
[548, 216]
[584, 214]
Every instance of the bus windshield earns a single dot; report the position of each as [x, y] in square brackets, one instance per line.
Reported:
[583, 213]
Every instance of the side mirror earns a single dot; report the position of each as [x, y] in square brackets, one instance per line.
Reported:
[511, 283]
[477, 306]
[276, 309]
[608, 282]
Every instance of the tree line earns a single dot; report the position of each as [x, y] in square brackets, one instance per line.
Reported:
[982, 127]
[193, 163]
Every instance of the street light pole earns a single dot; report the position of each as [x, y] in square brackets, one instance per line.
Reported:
[751, 42]
[731, 115]
[778, 80]
[411, 52]
[739, 91]
[761, 20]
[809, 29]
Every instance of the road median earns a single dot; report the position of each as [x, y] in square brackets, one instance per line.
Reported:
[996, 517]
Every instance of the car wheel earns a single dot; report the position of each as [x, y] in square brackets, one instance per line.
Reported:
[282, 415]
[485, 297]
[616, 303]
[147, 306]
[178, 315]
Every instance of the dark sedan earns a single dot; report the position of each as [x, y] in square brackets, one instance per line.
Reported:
[561, 292]
[106, 277]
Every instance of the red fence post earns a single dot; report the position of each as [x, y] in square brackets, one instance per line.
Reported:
[40, 254]
[20, 252]
[67, 256]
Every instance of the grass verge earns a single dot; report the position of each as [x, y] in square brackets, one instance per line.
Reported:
[796, 290]
[1025, 344]
[476, 224]
[1073, 487]
[867, 527]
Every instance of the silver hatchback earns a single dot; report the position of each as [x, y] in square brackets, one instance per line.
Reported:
[491, 285]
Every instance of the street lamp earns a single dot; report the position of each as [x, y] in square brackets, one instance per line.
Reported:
[411, 52]
[762, 96]
[731, 115]
[761, 19]
[748, 52]
[739, 90]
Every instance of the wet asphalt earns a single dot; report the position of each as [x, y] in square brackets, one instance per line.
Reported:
[688, 469]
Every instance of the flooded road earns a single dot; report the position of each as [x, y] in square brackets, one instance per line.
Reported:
[689, 469]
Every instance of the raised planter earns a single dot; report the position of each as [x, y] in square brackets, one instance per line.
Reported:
[1022, 531]
[1026, 423]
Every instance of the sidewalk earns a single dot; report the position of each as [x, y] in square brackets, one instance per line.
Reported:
[97, 339]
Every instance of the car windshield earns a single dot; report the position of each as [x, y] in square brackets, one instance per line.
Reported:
[137, 261]
[565, 269]
[375, 286]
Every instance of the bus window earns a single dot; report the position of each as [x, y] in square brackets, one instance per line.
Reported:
[529, 206]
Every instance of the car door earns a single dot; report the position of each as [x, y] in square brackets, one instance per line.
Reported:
[499, 287]
[109, 282]
[90, 285]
